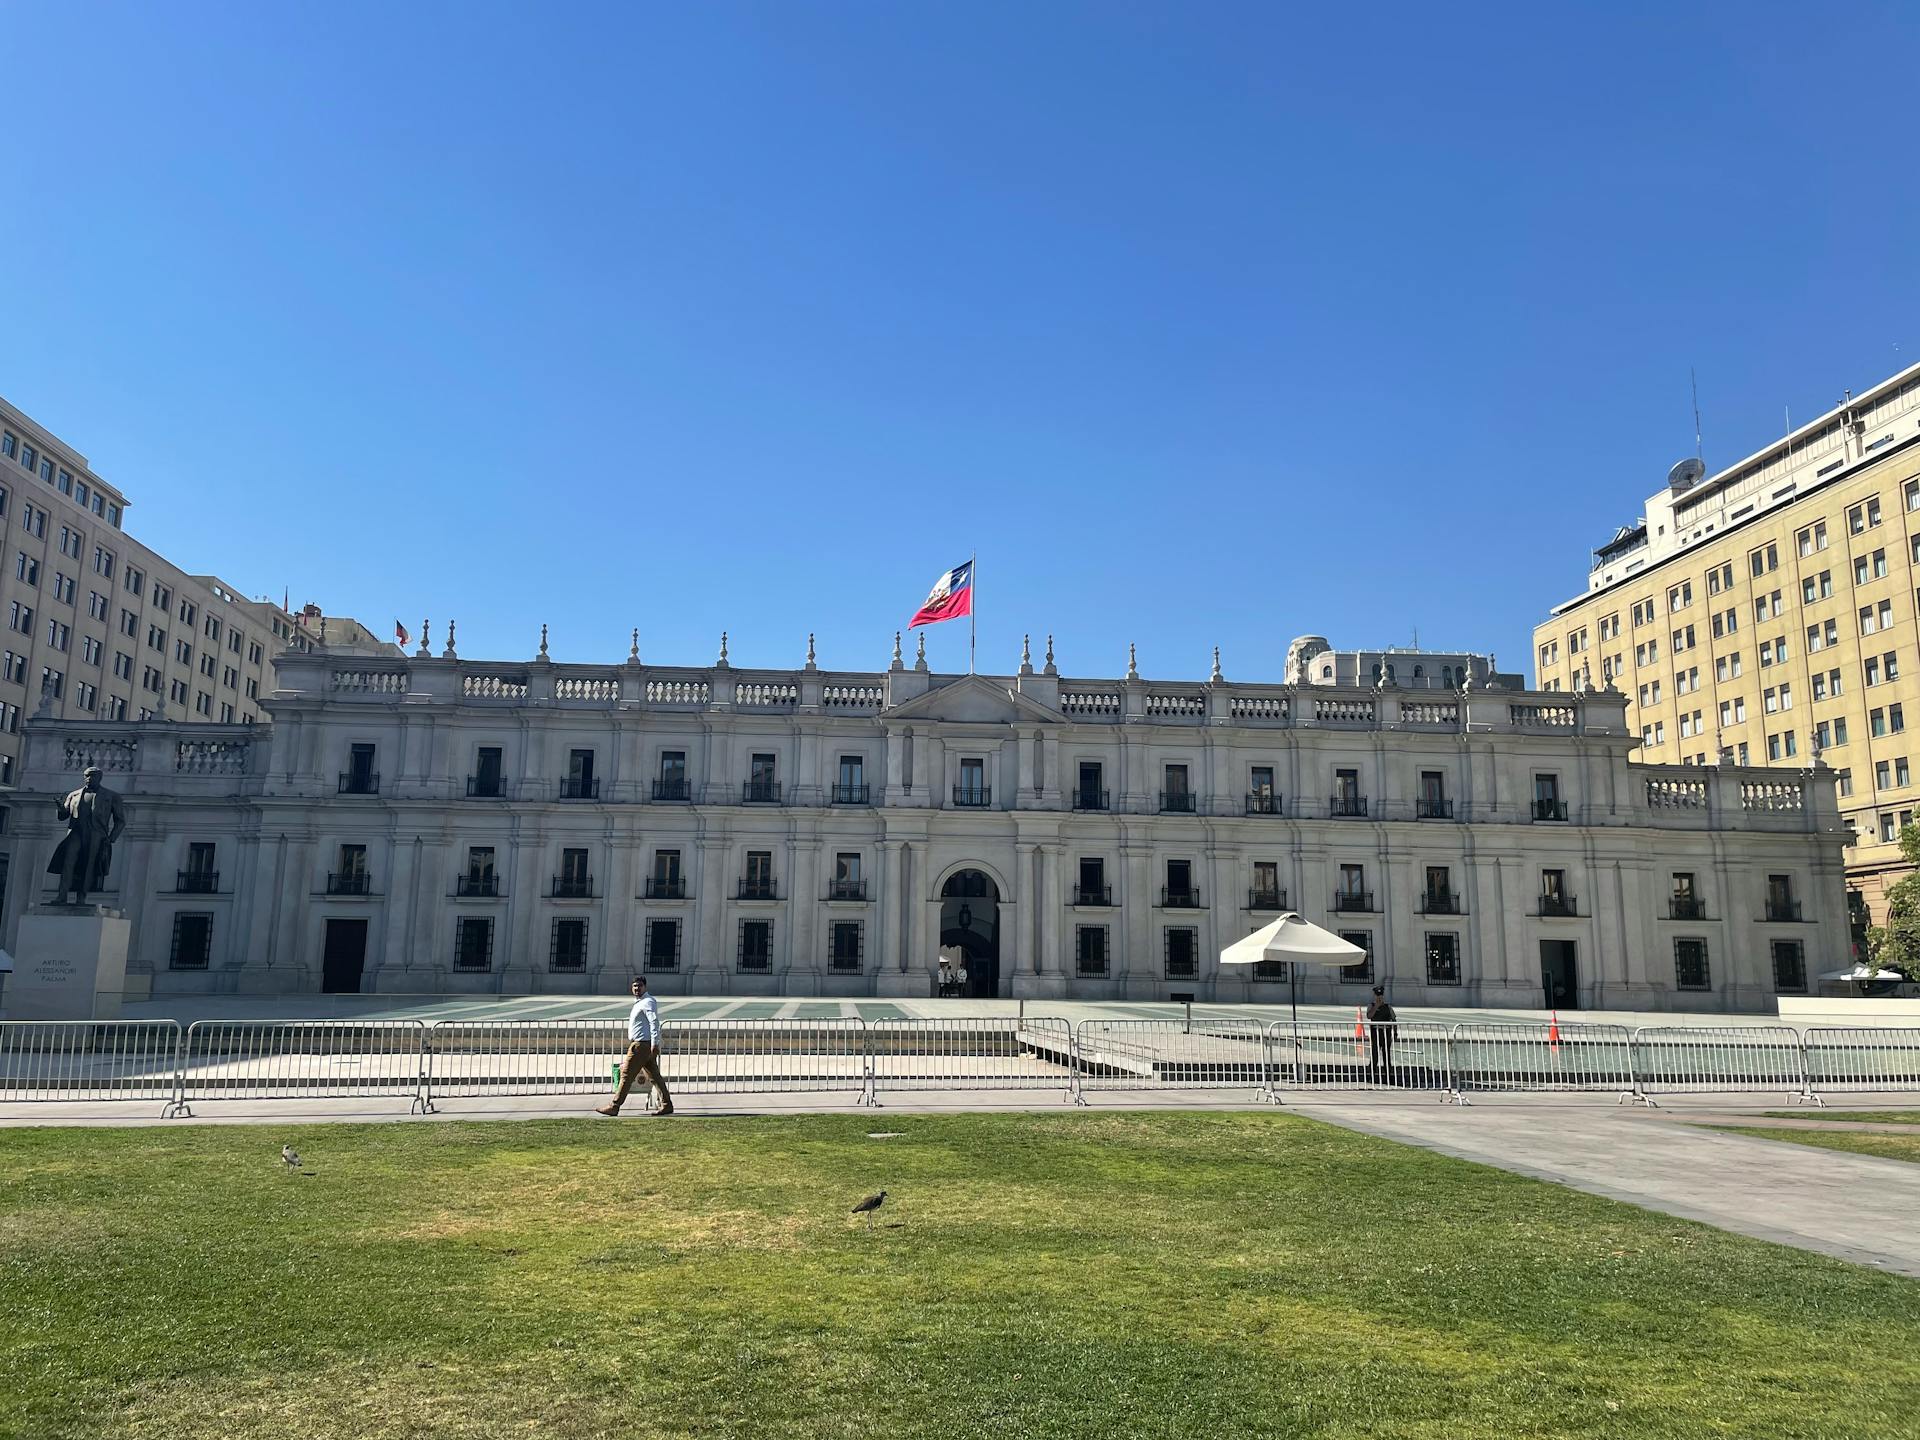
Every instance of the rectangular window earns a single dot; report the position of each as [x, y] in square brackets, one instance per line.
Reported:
[1182, 952]
[672, 784]
[569, 951]
[1090, 949]
[473, 942]
[758, 881]
[192, 946]
[662, 945]
[1361, 972]
[1690, 964]
[580, 783]
[756, 944]
[574, 882]
[972, 789]
[843, 945]
[1443, 958]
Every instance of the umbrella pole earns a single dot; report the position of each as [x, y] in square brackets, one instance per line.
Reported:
[1293, 995]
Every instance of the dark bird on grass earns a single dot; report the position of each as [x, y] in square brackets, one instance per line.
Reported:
[290, 1157]
[867, 1206]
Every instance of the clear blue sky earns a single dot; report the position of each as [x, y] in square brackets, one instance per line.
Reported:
[1201, 323]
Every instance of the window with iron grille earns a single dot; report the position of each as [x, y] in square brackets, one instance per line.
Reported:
[1090, 949]
[1789, 965]
[845, 945]
[1362, 972]
[192, 941]
[1443, 958]
[473, 942]
[663, 945]
[1690, 965]
[756, 944]
[569, 944]
[1183, 951]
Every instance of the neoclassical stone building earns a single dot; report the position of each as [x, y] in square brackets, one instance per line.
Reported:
[433, 824]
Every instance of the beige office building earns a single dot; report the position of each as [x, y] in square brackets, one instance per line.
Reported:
[99, 627]
[1770, 613]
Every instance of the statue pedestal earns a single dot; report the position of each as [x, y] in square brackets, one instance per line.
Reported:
[70, 963]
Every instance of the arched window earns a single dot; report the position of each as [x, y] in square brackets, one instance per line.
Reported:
[1419, 672]
[1376, 670]
[1390, 676]
[1326, 672]
[1446, 676]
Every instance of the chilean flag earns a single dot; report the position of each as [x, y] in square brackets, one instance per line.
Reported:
[950, 598]
[400, 633]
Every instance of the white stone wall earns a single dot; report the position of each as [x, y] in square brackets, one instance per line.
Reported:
[268, 798]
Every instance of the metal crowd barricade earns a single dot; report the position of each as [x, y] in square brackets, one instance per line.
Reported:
[1152, 1054]
[303, 1059]
[1330, 1055]
[765, 1056]
[989, 1052]
[1845, 1058]
[477, 1058]
[1702, 1059]
[1538, 1055]
[50, 1060]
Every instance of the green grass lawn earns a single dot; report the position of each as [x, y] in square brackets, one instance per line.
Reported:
[1860, 1142]
[1878, 1117]
[1096, 1275]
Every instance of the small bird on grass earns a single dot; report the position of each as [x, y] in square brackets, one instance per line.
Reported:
[867, 1206]
[290, 1157]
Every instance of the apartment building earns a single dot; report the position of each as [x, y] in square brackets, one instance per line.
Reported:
[1770, 614]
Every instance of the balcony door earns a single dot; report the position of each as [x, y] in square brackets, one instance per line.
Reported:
[1559, 974]
[343, 957]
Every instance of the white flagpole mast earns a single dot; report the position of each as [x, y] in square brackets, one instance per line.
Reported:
[973, 605]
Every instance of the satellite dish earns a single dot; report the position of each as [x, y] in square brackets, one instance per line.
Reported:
[1684, 475]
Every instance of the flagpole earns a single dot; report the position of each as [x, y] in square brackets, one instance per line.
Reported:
[973, 579]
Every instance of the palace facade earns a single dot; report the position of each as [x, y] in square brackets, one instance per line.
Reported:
[435, 824]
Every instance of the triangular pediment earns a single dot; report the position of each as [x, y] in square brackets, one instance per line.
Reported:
[976, 700]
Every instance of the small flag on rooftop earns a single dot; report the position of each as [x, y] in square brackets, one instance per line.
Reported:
[400, 633]
[950, 598]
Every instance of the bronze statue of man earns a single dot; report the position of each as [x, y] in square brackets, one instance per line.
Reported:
[94, 819]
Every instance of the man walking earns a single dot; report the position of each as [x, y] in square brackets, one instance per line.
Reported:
[643, 1051]
[1380, 1025]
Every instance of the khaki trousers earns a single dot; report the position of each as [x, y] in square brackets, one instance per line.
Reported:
[641, 1059]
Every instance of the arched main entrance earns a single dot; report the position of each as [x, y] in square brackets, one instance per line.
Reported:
[970, 936]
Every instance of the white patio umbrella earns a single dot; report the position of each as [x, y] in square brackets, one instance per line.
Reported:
[1863, 973]
[1296, 941]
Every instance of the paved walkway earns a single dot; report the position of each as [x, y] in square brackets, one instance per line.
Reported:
[1856, 1207]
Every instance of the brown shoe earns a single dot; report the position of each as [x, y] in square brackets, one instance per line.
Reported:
[663, 1110]
[606, 1110]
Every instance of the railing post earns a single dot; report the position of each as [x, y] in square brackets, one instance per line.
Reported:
[423, 1094]
[870, 1079]
[1456, 1088]
[1806, 1095]
[1641, 1073]
[177, 1105]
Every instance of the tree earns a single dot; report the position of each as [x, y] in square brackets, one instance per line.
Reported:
[1895, 945]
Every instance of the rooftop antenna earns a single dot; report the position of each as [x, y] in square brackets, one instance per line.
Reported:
[1699, 450]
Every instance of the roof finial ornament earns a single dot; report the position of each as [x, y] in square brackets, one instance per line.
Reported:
[1133, 670]
[1050, 670]
[810, 664]
[447, 654]
[897, 662]
[1026, 654]
[920, 652]
[424, 652]
[723, 647]
[543, 640]
[323, 632]
[1216, 677]
[633, 649]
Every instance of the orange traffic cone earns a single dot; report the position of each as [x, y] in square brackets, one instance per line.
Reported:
[1359, 1031]
[1553, 1031]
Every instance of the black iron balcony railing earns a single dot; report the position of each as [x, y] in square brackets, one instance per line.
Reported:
[580, 787]
[1263, 802]
[354, 882]
[1347, 805]
[1687, 907]
[847, 890]
[1186, 899]
[485, 787]
[1176, 802]
[476, 885]
[844, 794]
[1549, 809]
[1433, 807]
[359, 782]
[197, 882]
[572, 887]
[1440, 902]
[758, 890]
[760, 792]
[1266, 900]
[973, 797]
[672, 790]
[1093, 895]
[666, 887]
[1563, 907]
[1778, 909]
[1353, 901]
[1091, 800]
